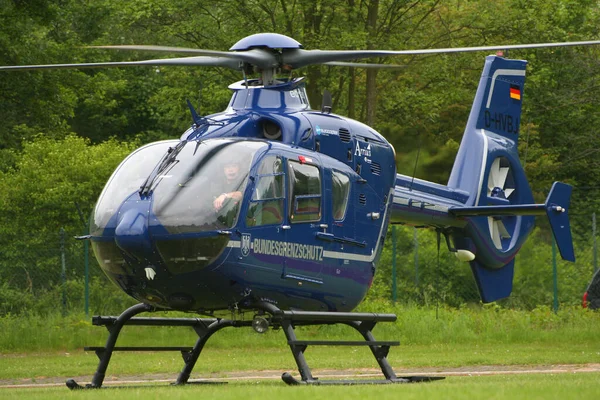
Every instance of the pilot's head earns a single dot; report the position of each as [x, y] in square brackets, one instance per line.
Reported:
[231, 169]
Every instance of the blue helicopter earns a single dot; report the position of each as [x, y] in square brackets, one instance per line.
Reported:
[305, 218]
[282, 210]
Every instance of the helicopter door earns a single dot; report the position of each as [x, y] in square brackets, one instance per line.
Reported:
[304, 254]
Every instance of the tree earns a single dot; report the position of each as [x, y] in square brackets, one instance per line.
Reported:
[39, 197]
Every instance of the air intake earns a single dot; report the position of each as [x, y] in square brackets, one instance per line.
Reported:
[362, 199]
[375, 168]
[345, 135]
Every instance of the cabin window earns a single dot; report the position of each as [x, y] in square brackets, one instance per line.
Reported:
[266, 205]
[341, 190]
[305, 188]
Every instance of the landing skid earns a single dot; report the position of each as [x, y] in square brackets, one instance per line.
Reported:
[288, 320]
[290, 380]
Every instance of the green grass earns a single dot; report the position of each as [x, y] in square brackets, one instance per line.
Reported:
[546, 386]
[37, 366]
[415, 326]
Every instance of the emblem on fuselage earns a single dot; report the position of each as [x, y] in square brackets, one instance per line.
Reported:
[323, 131]
[245, 247]
[363, 151]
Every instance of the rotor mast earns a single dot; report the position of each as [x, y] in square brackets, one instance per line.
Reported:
[267, 76]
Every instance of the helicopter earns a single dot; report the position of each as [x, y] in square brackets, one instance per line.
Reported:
[282, 210]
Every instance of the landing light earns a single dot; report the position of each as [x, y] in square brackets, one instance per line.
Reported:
[260, 324]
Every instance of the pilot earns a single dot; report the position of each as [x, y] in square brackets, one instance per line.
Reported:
[231, 170]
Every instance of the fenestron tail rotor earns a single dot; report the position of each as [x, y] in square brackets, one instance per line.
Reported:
[500, 187]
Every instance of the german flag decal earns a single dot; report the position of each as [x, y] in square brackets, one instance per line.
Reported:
[515, 92]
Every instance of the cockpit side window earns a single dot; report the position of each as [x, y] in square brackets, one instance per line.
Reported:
[266, 205]
[305, 190]
[341, 190]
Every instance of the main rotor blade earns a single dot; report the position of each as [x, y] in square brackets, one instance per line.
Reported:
[166, 49]
[365, 65]
[297, 58]
[262, 58]
[184, 61]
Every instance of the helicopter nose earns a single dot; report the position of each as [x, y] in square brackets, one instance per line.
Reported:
[131, 234]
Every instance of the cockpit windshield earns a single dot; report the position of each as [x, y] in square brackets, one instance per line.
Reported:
[203, 189]
[126, 180]
[195, 186]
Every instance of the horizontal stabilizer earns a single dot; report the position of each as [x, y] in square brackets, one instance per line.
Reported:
[556, 208]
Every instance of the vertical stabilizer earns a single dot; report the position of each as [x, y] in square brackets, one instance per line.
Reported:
[492, 129]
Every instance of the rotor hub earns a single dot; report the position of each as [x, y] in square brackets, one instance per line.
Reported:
[266, 40]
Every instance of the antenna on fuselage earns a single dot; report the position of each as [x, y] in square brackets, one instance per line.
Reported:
[416, 162]
[197, 118]
[327, 102]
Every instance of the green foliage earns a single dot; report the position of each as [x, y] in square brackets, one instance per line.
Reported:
[421, 279]
[104, 299]
[533, 282]
[40, 196]
[49, 177]
[424, 105]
